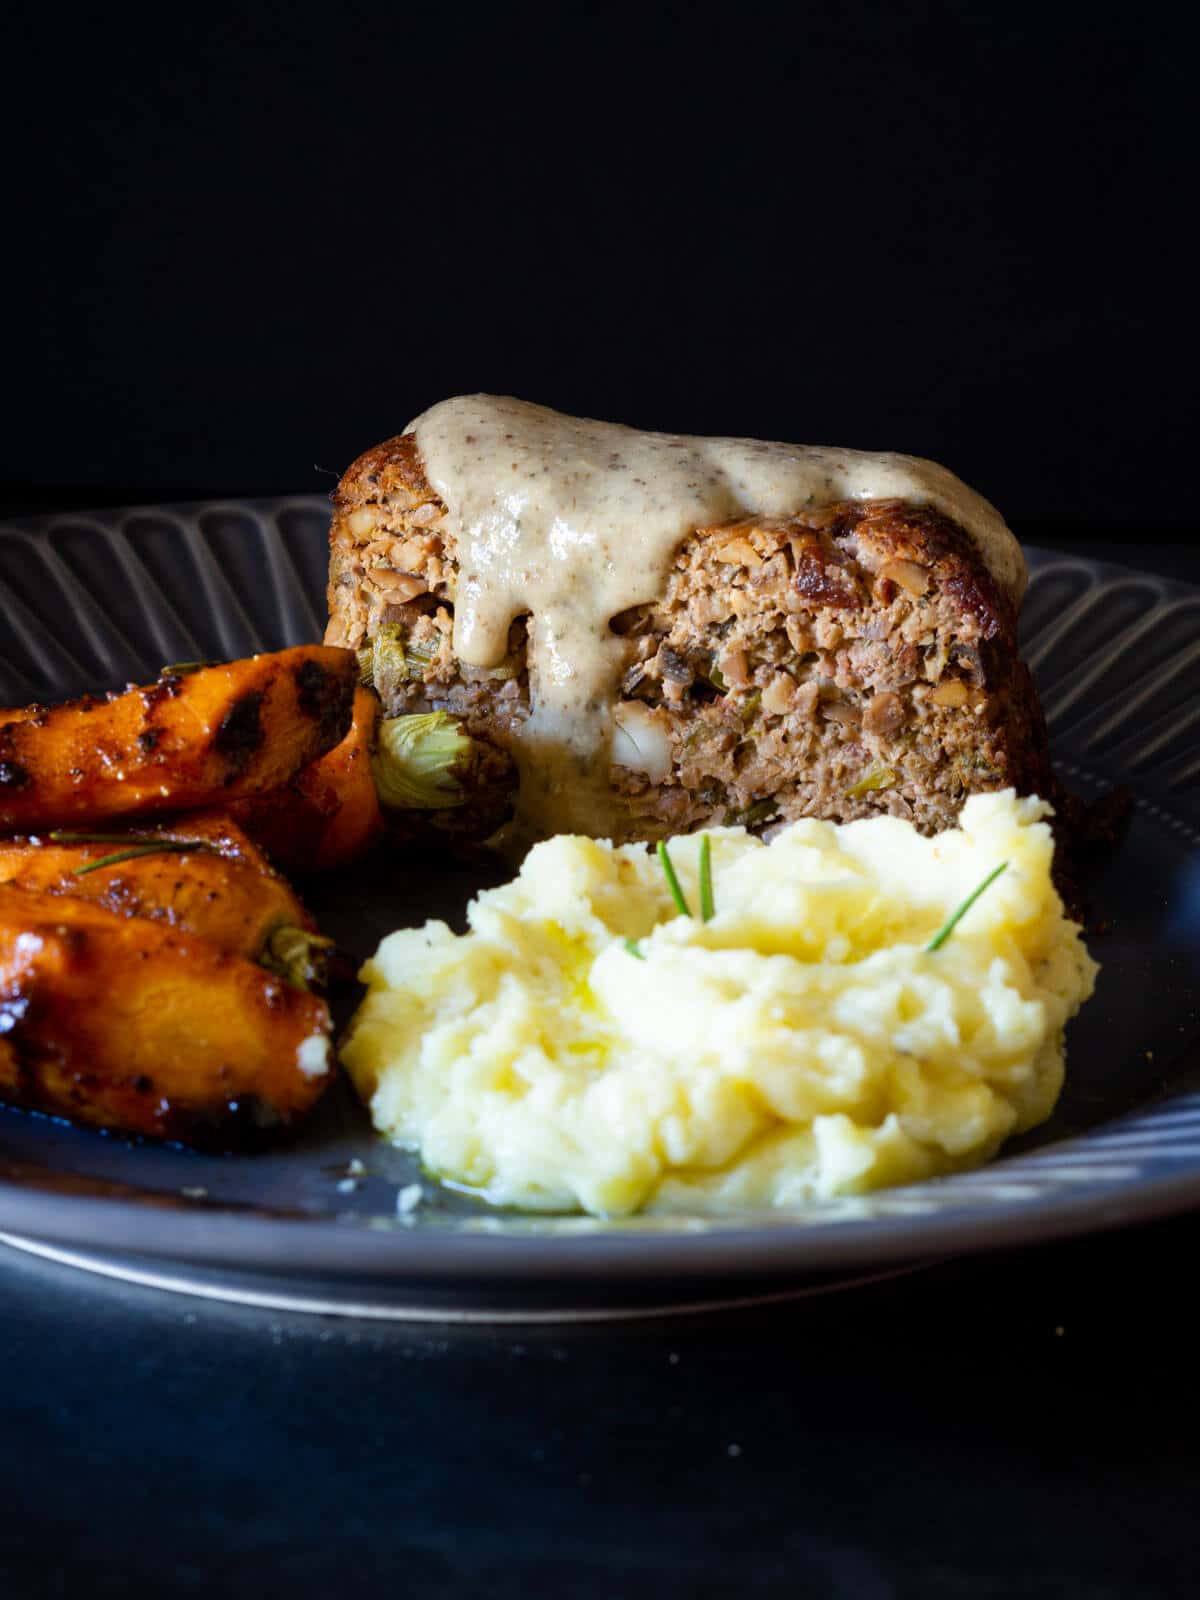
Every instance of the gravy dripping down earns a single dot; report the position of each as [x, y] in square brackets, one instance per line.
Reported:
[569, 522]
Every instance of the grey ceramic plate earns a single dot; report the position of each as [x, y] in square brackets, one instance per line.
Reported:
[93, 601]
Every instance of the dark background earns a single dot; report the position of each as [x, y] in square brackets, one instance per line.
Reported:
[246, 243]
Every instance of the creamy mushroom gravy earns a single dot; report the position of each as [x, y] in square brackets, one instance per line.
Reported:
[571, 521]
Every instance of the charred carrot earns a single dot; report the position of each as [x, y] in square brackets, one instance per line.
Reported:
[191, 739]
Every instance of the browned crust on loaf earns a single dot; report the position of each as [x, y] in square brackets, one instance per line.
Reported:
[373, 573]
[897, 531]
[903, 532]
[392, 468]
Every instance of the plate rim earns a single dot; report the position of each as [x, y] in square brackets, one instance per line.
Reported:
[339, 1251]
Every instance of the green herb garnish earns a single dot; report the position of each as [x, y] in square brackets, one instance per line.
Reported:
[158, 847]
[181, 669]
[633, 949]
[668, 867]
[952, 922]
[708, 908]
[133, 845]
[69, 836]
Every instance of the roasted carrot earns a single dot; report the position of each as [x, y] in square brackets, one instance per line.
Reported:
[289, 823]
[123, 1023]
[358, 821]
[329, 814]
[199, 873]
[193, 738]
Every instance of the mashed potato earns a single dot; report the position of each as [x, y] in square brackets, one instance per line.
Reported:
[802, 1043]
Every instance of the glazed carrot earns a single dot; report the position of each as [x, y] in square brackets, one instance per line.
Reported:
[194, 738]
[329, 814]
[200, 874]
[123, 1023]
[358, 821]
[288, 823]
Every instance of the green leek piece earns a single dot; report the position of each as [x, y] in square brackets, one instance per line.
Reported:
[388, 657]
[299, 957]
[878, 778]
[420, 656]
[414, 764]
[761, 811]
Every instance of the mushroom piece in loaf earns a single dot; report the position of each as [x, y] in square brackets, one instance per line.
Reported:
[839, 663]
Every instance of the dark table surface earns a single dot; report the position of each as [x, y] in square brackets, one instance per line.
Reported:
[1016, 1424]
